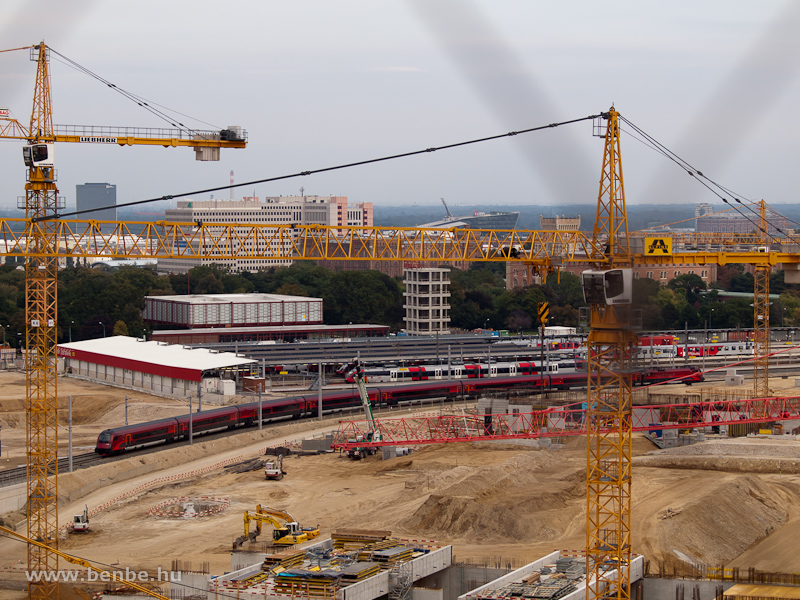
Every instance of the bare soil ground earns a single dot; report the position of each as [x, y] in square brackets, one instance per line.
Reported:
[724, 502]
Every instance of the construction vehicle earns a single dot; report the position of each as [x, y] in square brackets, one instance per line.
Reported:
[38, 241]
[372, 434]
[287, 531]
[273, 469]
[80, 523]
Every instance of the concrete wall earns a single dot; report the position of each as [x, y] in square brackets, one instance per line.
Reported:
[459, 579]
[13, 497]
[191, 584]
[426, 594]
[517, 575]
[215, 391]
[637, 573]
[666, 589]
[433, 562]
[371, 588]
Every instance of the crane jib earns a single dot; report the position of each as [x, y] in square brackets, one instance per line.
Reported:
[99, 140]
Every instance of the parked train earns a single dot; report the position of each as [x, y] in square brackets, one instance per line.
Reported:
[460, 371]
[130, 437]
[743, 348]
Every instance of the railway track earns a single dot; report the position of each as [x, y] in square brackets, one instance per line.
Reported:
[81, 461]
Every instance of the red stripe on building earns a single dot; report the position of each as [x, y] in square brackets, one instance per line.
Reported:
[131, 365]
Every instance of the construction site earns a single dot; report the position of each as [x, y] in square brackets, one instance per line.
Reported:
[443, 521]
[598, 498]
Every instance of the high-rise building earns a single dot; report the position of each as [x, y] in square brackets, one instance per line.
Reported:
[301, 210]
[562, 223]
[100, 196]
[427, 301]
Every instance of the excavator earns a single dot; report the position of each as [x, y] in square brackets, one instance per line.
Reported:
[80, 523]
[273, 469]
[372, 433]
[287, 530]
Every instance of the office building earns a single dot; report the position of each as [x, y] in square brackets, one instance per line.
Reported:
[300, 210]
[99, 198]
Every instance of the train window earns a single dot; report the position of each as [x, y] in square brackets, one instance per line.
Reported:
[105, 437]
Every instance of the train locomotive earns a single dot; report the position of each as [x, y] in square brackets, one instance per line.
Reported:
[165, 431]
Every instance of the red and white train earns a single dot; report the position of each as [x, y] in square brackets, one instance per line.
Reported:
[460, 371]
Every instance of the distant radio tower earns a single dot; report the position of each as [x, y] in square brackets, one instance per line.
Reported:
[231, 186]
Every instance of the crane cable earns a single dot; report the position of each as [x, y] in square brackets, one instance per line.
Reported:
[144, 103]
[705, 181]
[322, 170]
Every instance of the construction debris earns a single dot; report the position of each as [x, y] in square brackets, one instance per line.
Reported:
[301, 582]
[285, 559]
[254, 464]
[550, 583]
[359, 571]
[356, 539]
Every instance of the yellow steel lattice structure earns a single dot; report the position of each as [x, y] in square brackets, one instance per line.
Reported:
[608, 435]
[551, 249]
[761, 332]
[611, 222]
[41, 197]
[608, 459]
[761, 313]
[41, 242]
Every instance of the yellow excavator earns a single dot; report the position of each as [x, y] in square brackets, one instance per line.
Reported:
[287, 530]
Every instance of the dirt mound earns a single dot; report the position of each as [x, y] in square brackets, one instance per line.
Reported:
[710, 520]
[505, 502]
[742, 455]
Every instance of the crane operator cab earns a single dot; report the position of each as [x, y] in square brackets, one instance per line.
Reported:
[609, 288]
[38, 155]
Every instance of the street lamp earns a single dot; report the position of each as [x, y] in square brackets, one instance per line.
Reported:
[104, 329]
[70, 331]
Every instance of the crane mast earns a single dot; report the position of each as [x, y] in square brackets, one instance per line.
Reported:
[761, 313]
[40, 243]
[610, 351]
[41, 200]
[607, 290]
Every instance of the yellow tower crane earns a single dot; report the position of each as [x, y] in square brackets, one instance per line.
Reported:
[607, 286]
[41, 249]
[610, 351]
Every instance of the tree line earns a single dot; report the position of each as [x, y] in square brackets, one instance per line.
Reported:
[95, 301]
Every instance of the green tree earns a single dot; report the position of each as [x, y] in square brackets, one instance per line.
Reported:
[120, 328]
[691, 284]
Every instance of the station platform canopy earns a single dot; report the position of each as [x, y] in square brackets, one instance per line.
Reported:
[151, 357]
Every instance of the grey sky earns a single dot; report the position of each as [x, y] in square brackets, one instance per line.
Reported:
[319, 83]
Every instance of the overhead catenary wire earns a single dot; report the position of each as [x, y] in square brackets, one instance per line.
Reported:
[322, 170]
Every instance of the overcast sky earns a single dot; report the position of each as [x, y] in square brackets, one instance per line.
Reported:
[326, 82]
